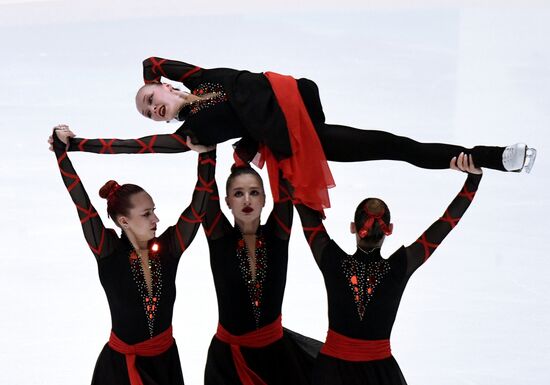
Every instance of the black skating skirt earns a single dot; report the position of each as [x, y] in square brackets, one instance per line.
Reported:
[334, 371]
[164, 369]
[287, 361]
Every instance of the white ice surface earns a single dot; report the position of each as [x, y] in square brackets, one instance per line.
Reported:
[477, 313]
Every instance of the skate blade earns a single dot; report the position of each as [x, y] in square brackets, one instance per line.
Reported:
[530, 156]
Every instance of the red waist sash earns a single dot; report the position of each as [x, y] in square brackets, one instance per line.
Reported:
[255, 339]
[352, 349]
[149, 348]
[307, 169]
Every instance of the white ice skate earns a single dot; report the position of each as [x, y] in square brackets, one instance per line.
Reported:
[518, 157]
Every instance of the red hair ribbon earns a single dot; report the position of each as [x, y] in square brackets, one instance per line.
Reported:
[371, 217]
[114, 189]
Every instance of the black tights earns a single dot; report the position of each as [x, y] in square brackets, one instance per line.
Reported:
[348, 144]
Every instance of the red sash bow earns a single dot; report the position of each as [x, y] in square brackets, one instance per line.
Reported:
[149, 348]
[255, 339]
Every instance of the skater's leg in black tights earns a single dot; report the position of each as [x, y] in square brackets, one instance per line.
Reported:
[348, 144]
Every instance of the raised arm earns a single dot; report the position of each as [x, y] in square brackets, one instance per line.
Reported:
[100, 240]
[280, 219]
[314, 230]
[425, 245]
[163, 143]
[155, 67]
[184, 231]
[215, 223]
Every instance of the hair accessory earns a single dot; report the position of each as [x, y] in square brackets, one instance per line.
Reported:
[371, 217]
[114, 189]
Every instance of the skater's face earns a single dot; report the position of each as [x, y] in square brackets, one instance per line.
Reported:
[246, 198]
[141, 220]
[160, 101]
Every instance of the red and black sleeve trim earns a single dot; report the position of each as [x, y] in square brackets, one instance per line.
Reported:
[428, 242]
[163, 143]
[100, 241]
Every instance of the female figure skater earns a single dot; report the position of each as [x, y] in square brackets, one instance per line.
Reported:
[364, 289]
[249, 263]
[282, 119]
[137, 271]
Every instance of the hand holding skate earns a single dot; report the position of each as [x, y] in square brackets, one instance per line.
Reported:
[465, 163]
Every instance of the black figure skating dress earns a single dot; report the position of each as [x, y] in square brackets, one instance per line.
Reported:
[364, 291]
[250, 346]
[138, 314]
[245, 105]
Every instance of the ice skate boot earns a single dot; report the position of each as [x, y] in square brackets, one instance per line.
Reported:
[530, 156]
[518, 157]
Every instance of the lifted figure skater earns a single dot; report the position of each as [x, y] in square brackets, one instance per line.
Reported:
[281, 119]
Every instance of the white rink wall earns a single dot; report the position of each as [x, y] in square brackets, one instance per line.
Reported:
[476, 313]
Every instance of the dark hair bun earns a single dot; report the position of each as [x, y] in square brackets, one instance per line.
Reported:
[240, 167]
[108, 188]
[374, 206]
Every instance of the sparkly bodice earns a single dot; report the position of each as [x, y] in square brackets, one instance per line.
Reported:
[363, 275]
[245, 304]
[150, 296]
[217, 96]
[135, 314]
[211, 120]
[364, 291]
[254, 282]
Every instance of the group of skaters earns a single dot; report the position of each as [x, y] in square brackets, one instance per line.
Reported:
[281, 124]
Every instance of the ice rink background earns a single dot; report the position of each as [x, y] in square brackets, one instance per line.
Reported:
[476, 313]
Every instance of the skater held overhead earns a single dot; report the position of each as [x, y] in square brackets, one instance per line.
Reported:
[282, 119]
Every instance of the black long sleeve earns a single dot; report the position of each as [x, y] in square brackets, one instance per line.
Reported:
[283, 211]
[100, 240]
[215, 223]
[188, 223]
[426, 244]
[163, 143]
[155, 67]
[314, 230]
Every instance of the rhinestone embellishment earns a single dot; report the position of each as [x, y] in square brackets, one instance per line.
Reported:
[150, 300]
[253, 284]
[363, 278]
[204, 89]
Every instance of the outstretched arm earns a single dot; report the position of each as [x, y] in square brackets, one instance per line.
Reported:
[425, 245]
[100, 240]
[155, 67]
[163, 143]
[190, 219]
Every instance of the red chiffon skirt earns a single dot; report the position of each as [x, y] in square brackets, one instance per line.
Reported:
[307, 169]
